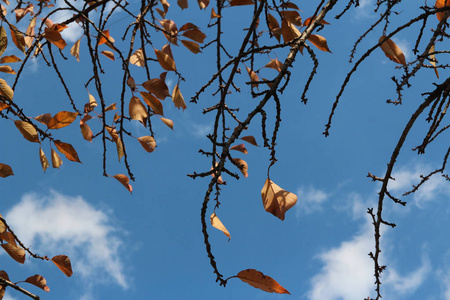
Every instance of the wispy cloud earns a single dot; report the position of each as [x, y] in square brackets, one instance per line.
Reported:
[63, 224]
[311, 199]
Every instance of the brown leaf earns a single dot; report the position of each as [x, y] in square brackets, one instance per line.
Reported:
[5, 90]
[289, 5]
[195, 35]
[241, 2]
[289, 31]
[183, 4]
[5, 171]
[188, 26]
[260, 281]
[8, 237]
[123, 179]
[63, 263]
[28, 131]
[154, 103]
[250, 139]
[168, 122]
[319, 41]
[3, 40]
[17, 38]
[433, 60]
[157, 87]
[274, 64]
[216, 223]
[292, 16]
[29, 34]
[3, 106]
[240, 147]
[67, 150]
[10, 59]
[137, 110]
[62, 119]
[117, 140]
[16, 253]
[274, 26]
[110, 107]
[92, 102]
[166, 62]
[108, 54]
[5, 276]
[56, 160]
[22, 12]
[392, 51]
[192, 46]
[53, 35]
[44, 119]
[43, 158]
[178, 99]
[276, 200]
[253, 77]
[38, 281]
[308, 21]
[86, 131]
[137, 58]
[2, 225]
[148, 143]
[131, 83]
[170, 29]
[7, 69]
[243, 167]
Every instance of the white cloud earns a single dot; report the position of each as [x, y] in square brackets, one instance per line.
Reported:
[311, 199]
[364, 10]
[57, 224]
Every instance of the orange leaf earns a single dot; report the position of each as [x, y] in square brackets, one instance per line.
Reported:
[216, 223]
[63, 263]
[308, 21]
[108, 54]
[62, 119]
[38, 281]
[240, 147]
[16, 253]
[289, 31]
[67, 150]
[260, 281]
[250, 139]
[171, 28]
[276, 200]
[9, 59]
[441, 4]
[28, 131]
[166, 62]
[123, 179]
[2, 225]
[9, 237]
[5, 171]
[168, 122]
[242, 166]
[177, 98]
[148, 143]
[213, 14]
[3, 106]
[157, 87]
[103, 40]
[53, 35]
[253, 77]
[319, 41]
[137, 110]
[392, 51]
[274, 64]
[110, 107]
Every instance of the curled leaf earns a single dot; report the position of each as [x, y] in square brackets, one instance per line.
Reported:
[86, 131]
[154, 103]
[157, 87]
[240, 147]
[242, 166]
[260, 281]
[38, 281]
[108, 54]
[137, 110]
[56, 160]
[137, 58]
[177, 98]
[123, 179]
[216, 223]
[166, 62]
[5, 90]
[276, 200]
[148, 143]
[168, 122]
[63, 263]
[250, 139]
[43, 158]
[16, 253]
[392, 51]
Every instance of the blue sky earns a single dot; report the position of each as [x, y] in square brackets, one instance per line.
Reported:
[149, 245]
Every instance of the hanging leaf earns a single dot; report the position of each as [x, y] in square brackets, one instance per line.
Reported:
[243, 167]
[148, 143]
[178, 99]
[22, 12]
[216, 223]
[16, 253]
[3, 40]
[53, 35]
[319, 41]
[240, 147]
[188, 26]
[157, 87]
[9, 59]
[168, 122]
[274, 64]
[131, 83]
[38, 281]
[43, 158]
[5, 171]
[183, 4]
[433, 60]
[192, 46]
[166, 62]
[117, 140]
[203, 4]
[75, 50]
[5, 276]
[292, 16]
[108, 54]
[274, 27]
[3, 106]
[17, 38]
[5, 90]
[241, 2]
[154, 103]
[111, 107]
[44, 119]
[62, 119]
[213, 14]
[56, 160]
[123, 179]
[253, 77]
[7, 69]
[8, 237]
[195, 35]
[92, 102]
[289, 31]
[27, 130]
[137, 58]
[276, 200]
[260, 281]
[441, 4]
[170, 30]
[137, 110]
[86, 131]
[63, 263]
[67, 150]
[29, 34]
[392, 51]
[250, 139]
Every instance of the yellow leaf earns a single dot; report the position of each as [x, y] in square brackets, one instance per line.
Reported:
[38, 281]
[276, 200]
[168, 122]
[16, 253]
[203, 4]
[108, 54]
[75, 50]
[62, 119]
[68, 151]
[177, 98]
[56, 160]
[17, 38]
[319, 41]
[27, 130]
[192, 46]
[392, 51]
[86, 131]
[240, 147]
[5, 90]
[216, 223]
[137, 58]
[148, 143]
[250, 139]
[5, 171]
[157, 87]
[63, 263]
[123, 179]
[3, 40]
[263, 282]
[243, 167]
[9, 59]
[154, 103]
[43, 158]
[7, 69]
[137, 110]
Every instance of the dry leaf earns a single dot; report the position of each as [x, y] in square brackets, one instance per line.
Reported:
[250, 139]
[7, 69]
[108, 54]
[137, 58]
[183, 4]
[194, 34]
[27, 130]
[29, 36]
[3, 40]
[260, 281]
[43, 158]
[216, 223]
[241, 2]
[137, 110]
[157, 87]
[22, 12]
[213, 14]
[243, 167]
[3, 106]
[168, 122]
[62, 119]
[253, 77]
[170, 30]
[9, 59]
[108, 39]
[67, 150]
[240, 147]
[392, 51]
[166, 62]
[203, 4]
[274, 26]
[433, 60]
[56, 160]
[110, 107]
[154, 103]
[86, 131]
[308, 21]
[192, 46]
[177, 98]
[123, 179]
[319, 41]
[16, 253]
[8, 237]
[276, 200]
[17, 38]
[38, 281]
[117, 140]
[5, 171]
[53, 35]
[274, 64]
[5, 90]
[63, 263]
[44, 119]
[131, 84]
[292, 16]
[441, 4]
[148, 143]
